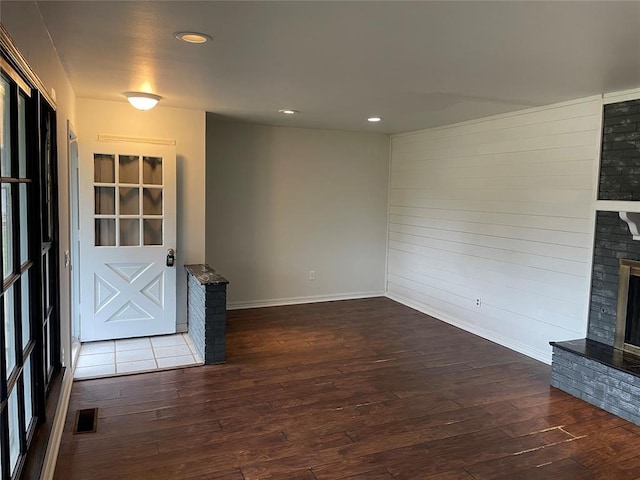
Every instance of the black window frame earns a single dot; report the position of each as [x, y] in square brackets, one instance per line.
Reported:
[43, 348]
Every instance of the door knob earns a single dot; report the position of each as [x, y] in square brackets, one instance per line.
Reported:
[171, 257]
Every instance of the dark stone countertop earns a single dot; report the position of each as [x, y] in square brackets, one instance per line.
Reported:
[605, 354]
[206, 275]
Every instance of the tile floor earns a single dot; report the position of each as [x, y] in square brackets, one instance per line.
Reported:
[135, 355]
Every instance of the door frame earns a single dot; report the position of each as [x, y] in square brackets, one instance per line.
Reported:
[73, 258]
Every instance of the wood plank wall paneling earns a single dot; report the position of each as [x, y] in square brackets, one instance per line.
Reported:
[502, 210]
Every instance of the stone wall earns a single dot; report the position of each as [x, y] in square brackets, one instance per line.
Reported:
[620, 159]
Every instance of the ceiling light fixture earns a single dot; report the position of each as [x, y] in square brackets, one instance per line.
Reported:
[193, 37]
[374, 119]
[142, 100]
[288, 111]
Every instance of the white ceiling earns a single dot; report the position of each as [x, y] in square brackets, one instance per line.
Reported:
[416, 64]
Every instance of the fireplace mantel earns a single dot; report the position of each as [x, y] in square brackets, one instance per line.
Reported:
[629, 211]
[618, 206]
[633, 220]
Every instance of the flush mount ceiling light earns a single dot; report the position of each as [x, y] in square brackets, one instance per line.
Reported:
[142, 101]
[374, 119]
[288, 111]
[193, 37]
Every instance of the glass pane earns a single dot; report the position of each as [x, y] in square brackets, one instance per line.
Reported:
[152, 170]
[129, 201]
[105, 232]
[105, 200]
[14, 430]
[22, 137]
[129, 232]
[152, 201]
[26, 309]
[104, 168]
[5, 131]
[152, 232]
[9, 330]
[24, 231]
[7, 230]
[28, 398]
[48, 363]
[45, 348]
[47, 281]
[129, 169]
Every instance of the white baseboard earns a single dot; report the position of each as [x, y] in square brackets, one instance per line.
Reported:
[299, 300]
[53, 446]
[527, 350]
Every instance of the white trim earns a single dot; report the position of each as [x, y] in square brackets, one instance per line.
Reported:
[621, 96]
[534, 353]
[592, 233]
[9, 47]
[299, 300]
[617, 206]
[515, 113]
[121, 138]
[53, 445]
[388, 232]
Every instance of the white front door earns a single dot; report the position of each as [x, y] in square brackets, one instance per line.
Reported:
[127, 230]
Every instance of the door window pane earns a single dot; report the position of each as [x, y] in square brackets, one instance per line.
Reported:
[5, 131]
[7, 230]
[129, 201]
[104, 168]
[105, 232]
[129, 232]
[152, 232]
[152, 171]
[129, 169]
[28, 398]
[24, 231]
[22, 137]
[9, 330]
[14, 430]
[152, 201]
[105, 200]
[26, 309]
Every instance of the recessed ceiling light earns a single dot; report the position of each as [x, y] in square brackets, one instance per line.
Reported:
[374, 119]
[288, 111]
[142, 100]
[193, 37]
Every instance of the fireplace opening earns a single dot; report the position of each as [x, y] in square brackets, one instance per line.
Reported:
[628, 313]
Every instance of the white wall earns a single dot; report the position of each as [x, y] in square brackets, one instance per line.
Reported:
[283, 201]
[24, 23]
[499, 209]
[187, 127]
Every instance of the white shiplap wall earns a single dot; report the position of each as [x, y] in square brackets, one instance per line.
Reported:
[499, 209]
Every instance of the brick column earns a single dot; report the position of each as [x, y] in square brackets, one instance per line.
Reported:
[207, 312]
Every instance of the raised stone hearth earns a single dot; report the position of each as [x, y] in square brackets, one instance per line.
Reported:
[598, 374]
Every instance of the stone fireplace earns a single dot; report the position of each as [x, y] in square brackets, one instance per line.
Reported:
[604, 368]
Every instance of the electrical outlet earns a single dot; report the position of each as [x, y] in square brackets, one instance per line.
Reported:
[478, 302]
[312, 274]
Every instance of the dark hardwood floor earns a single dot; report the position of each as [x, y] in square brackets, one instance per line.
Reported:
[361, 389]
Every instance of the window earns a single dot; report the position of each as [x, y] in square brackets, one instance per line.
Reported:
[29, 333]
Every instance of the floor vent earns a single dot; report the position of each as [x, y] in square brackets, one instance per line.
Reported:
[86, 421]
